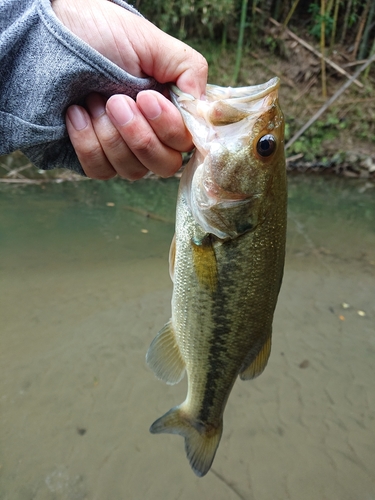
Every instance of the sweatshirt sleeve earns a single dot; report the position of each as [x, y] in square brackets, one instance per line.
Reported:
[44, 68]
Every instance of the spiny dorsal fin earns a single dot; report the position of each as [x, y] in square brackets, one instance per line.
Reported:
[164, 357]
[258, 365]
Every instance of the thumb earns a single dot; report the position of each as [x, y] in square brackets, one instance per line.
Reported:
[188, 69]
[170, 60]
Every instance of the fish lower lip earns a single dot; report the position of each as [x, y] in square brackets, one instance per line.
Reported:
[233, 203]
[221, 198]
[217, 195]
[223, 202]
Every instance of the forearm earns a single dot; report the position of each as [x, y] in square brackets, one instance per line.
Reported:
[44, 68]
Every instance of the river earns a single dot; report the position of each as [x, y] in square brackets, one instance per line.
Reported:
[84, 289]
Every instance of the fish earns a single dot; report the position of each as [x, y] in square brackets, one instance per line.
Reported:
[226, 259]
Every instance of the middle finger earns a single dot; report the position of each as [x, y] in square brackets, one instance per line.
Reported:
[140, 138]
[116, 150]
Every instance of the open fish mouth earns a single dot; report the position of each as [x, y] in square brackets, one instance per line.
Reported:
[242, 94]
[220, 180]
[217, 211]
[232, 95]
[224, 105]
[216, 195]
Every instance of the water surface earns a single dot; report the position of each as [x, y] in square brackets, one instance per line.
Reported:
[84, 289]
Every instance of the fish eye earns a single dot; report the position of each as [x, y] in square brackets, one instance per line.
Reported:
[266, 145]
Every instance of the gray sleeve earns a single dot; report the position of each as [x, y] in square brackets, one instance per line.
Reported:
[44, 68]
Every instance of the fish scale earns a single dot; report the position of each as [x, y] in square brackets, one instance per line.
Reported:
[226, 259]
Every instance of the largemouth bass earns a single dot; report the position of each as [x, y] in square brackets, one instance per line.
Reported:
[226, 259]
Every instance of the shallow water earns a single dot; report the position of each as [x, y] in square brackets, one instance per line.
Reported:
[85, 288]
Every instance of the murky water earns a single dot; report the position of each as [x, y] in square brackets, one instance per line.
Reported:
[84, 289]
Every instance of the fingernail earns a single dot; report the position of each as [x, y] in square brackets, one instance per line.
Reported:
[120, 110]
[153, 109]
[96, 105]
[77, 117]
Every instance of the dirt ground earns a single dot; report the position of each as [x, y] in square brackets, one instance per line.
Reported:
[85, 288]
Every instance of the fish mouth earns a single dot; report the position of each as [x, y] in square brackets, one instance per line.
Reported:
[219, 184]
[225, 218]
[224, 112]
[243, 100]
[242, 94]
[222, 213]
[216, 195]
[228, 94]
[208, 194]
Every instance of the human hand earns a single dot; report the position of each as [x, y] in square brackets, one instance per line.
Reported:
[121, 136]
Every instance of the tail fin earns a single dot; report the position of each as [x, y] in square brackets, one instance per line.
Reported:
[201, 442]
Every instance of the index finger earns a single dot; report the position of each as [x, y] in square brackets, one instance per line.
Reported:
[165, 120]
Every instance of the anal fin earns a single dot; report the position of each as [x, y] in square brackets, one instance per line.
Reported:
[164, 357]
[257, 366]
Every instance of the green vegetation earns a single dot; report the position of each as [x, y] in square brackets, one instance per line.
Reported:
[347, 22]
[247, 42]
[244, 47]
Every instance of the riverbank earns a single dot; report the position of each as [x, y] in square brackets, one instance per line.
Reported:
[17, 169]
[86, 287]
[341, 142]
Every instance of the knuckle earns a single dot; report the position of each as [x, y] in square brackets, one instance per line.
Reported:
[111, 141]
[90, 156]
[172, 135]
[143, 144]
[134, 175]
[203, 64]
[171, 167]
[97, 168]
[94, 164]
[103, 176]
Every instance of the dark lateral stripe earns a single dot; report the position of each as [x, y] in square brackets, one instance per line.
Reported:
[218, 351]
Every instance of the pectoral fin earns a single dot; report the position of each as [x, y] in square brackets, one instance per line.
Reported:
[164, 357]
[205, 266]
[256, 367]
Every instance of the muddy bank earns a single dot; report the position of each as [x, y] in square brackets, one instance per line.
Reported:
[84, 289]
